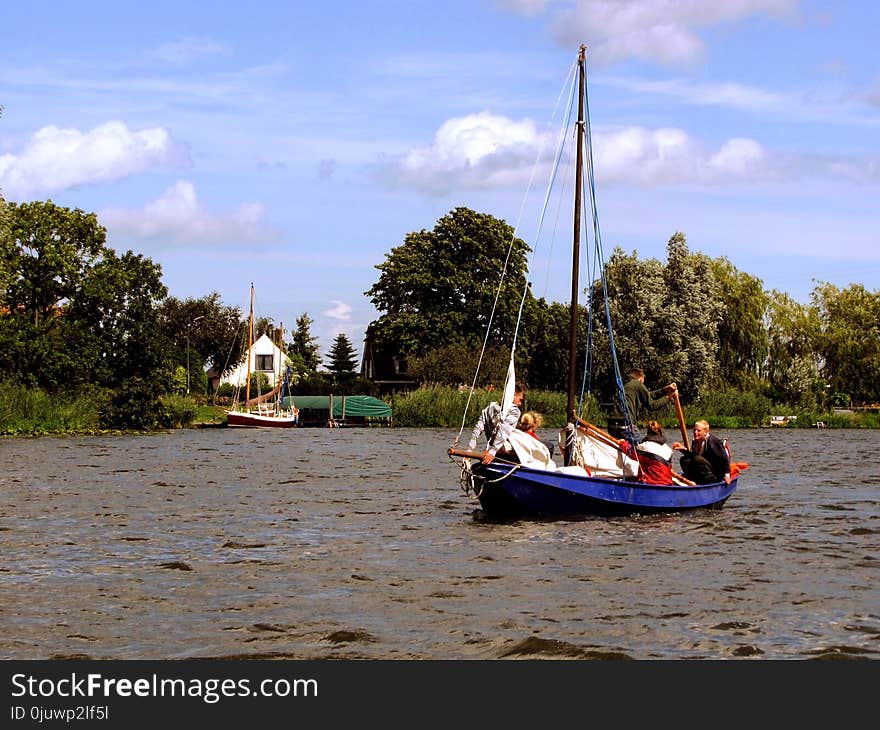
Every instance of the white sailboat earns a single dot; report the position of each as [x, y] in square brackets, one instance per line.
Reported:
[266, 410]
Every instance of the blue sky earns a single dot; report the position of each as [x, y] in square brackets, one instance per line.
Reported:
[293, 144]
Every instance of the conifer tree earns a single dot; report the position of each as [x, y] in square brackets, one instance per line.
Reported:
[342, 357]
[304, 344]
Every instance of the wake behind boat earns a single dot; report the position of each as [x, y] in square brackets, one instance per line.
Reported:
[599, 475]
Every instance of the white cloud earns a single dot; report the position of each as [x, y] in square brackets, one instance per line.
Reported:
[666, 31]
[186, 50]
[790, 106]
[483, 151]
[725, 94]
[177, 217]
[56, 159]
[339, 310]
[475, 151]
[738, 157]
[669, 157]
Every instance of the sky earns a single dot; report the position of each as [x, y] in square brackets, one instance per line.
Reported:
[292, 145]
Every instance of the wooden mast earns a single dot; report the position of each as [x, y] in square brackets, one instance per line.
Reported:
[247, 387]
[575, 258]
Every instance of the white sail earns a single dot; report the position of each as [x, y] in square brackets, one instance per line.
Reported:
[509, 387]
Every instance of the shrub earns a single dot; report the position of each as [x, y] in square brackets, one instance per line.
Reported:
[134, 406]
[177, 411]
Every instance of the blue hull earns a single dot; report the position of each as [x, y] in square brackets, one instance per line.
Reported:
[525, 491]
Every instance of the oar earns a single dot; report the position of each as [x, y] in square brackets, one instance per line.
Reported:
[681, 424]
[598, 433]
[462, 452]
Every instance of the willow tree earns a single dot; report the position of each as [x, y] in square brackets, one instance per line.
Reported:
[792, 365]
[692, 311]
[849, 339]
[665, 319]
[635, 299]
[743, 337]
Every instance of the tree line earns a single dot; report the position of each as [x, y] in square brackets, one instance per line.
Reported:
[692, 319]
[78, 319]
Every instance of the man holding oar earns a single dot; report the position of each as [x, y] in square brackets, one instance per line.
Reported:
[638, 397]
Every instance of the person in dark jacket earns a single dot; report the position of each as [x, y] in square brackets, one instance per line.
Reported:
[707, 460]
[638, 398]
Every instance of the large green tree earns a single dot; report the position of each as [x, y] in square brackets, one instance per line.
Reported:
[76, 313]
[440, 286]
[205, 326]
[118, 305]
[47, 251]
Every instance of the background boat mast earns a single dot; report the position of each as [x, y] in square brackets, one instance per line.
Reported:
[247, 387]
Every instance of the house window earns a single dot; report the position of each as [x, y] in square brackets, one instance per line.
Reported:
[400, 365]
[264, 362]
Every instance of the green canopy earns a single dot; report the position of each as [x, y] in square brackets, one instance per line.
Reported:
[353, 405]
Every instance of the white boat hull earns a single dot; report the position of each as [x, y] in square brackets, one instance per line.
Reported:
[258, 420]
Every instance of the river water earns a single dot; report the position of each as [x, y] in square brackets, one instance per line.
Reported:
[358, 543]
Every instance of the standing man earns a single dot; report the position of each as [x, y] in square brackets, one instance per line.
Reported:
[638, 398]
[497, 426]
[708, 460]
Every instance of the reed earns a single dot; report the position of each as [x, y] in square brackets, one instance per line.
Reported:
[444, 406]
[33, 411]
[730, 408]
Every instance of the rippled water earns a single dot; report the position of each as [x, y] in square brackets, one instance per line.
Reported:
[357, 543]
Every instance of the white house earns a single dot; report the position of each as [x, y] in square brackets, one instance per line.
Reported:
[266, 357]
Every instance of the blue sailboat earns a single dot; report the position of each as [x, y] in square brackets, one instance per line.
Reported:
[597, 477]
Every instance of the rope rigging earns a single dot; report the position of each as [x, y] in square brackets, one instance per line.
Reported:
[595, 264]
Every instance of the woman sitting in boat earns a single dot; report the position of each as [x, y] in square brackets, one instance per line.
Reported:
[530, 423]
[654, 455]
